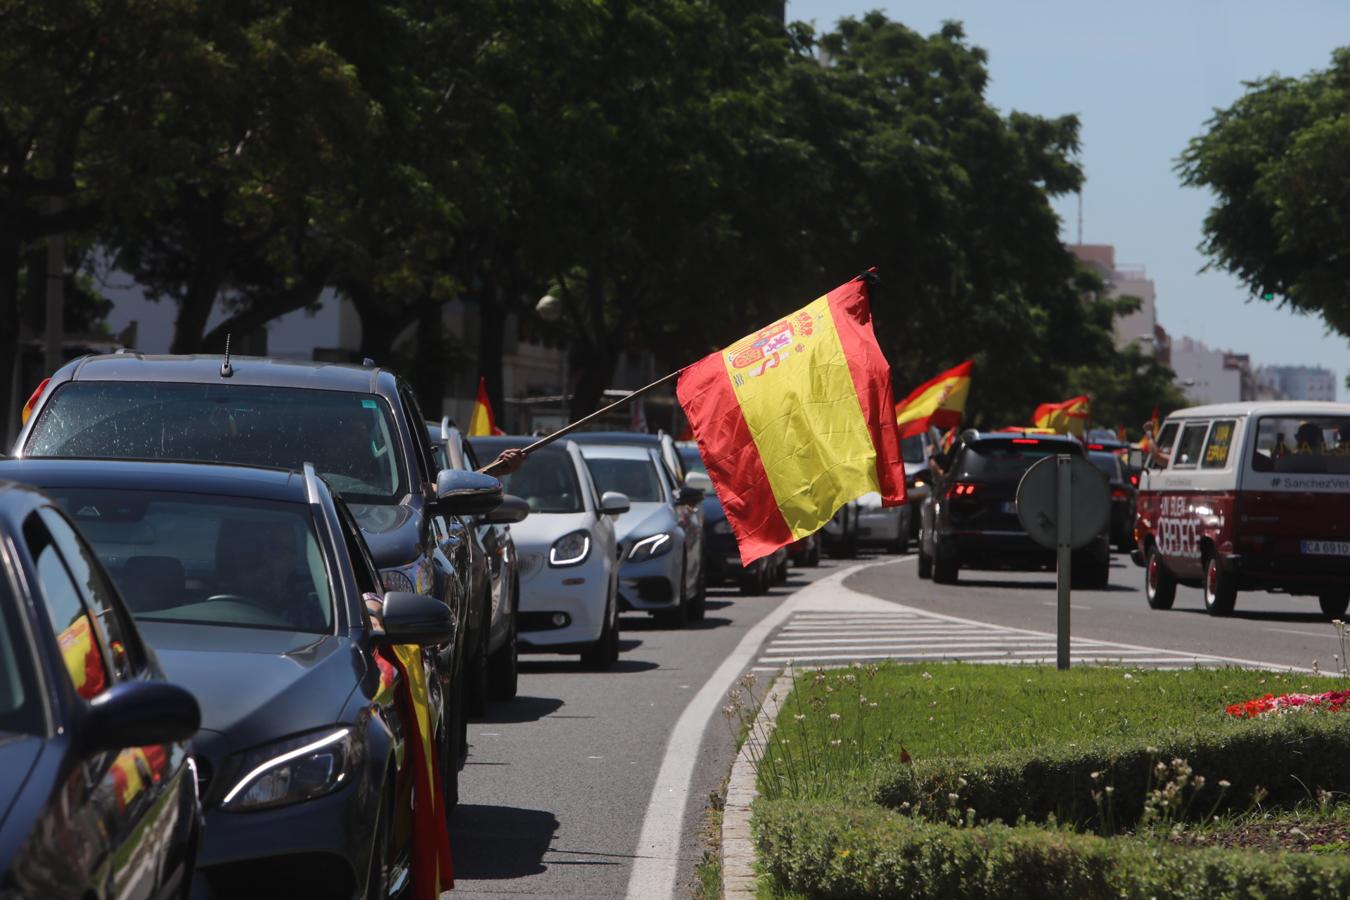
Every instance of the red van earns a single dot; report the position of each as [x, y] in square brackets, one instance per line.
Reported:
[1248, 497]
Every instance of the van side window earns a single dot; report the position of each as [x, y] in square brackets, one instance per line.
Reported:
[1187, 455]
[1162, 451]
[1219, 443]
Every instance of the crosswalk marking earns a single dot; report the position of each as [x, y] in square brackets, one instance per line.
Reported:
[819, 638]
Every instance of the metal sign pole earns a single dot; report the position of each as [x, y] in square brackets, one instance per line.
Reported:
[1064, 557]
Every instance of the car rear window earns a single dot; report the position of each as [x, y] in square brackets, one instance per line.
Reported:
[911, 449]
[1000, 461]
[636, 478]
[1107, 463]
[207, 560]
[348, 437]
[1302, 444]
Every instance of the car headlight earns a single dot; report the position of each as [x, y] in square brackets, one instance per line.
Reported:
[721, 527]
[570, 549]
[394, 580]
[650, 546]
[292, 771]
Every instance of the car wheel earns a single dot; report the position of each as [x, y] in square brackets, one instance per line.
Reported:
[1160, 588]
[925, 561]
[752, 584]
[1094, 576]
[449, 765]
[946, 567]
[698, 605]
[901, 544]
[1220, 592]
[674, 618]
[600, 655]
[780, 574]
[1334, 603]
[813, 555]
[377, 875]
[476, 678]
[504, 665]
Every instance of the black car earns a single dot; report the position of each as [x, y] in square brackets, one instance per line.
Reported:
[255, 586]
[359, 424]
[97, 792]
[721, 554]
[970, 520]
[1122, 497]
[490, 667]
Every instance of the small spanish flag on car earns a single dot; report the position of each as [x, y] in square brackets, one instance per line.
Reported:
[940, 403]
[796, 420]
[1068, 417]
[481, 422]
[32, 401]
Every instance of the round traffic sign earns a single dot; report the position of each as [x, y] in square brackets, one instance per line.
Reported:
[1038, 502]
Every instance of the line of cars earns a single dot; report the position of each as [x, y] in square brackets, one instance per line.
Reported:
[264, 535]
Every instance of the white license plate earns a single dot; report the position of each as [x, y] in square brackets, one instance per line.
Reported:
[1327, 548]
[1009, 506]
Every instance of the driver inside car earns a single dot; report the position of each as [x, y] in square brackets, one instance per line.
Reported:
[257, 562]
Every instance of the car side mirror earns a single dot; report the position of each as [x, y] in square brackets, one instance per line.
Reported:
[513, 509]
[416, 619]
[614, 504]
[461, 493]
[137, 713]
[698, 480]
[689, 496]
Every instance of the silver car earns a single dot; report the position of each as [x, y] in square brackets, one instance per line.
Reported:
[662, 553]
[567, 555]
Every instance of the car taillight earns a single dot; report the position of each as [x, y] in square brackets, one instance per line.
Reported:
[1119, 494]
[1134, 481]
[962, 489]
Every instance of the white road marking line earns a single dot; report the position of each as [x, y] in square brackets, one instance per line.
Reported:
[1321, 634]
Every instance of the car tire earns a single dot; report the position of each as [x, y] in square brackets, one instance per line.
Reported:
[813, 556]
[780, 574]
[1220, 592]
[1160, 587]
[449, 765]
[504, 665]
[601, 654]
[1095, 576]
[946, 567]
[900, 546]
[752, 585]
[1334, 603]
[377, 873]
[476, 678]
[679, 614]
[925, 562]
[698, 604]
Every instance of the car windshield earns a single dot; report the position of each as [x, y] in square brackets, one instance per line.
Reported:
[19, 710]
[1308, 445]
[207, 560]
[911, 449]
[636, 478]
[348, 437]
[1005, 461]
[1107, 464]
[547, 481]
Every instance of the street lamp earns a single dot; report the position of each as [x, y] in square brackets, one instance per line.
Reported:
[550, 309]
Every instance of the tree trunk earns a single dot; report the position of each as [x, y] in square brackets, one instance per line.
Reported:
[594, 373]
[428, 372]
[491, 341]
[208, 275]
[10, 351]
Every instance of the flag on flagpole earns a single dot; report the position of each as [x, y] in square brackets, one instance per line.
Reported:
[481, 422]
[1068, 417]
[940, 402]
[796, 420]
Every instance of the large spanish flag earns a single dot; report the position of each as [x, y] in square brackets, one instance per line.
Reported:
[940, 402]
[481, 422]
[1069, 417]
[795, 420]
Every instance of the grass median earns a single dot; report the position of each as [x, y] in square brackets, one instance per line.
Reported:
[1121, 774]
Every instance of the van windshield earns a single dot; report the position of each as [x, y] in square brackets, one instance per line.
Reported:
[1299, 444]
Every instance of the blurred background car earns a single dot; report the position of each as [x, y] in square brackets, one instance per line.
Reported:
[252, 585]
[98, 794]
[359, 424]
[840, 536]
[970, 520]
[660, 545]
[915, 450]
[887, 527]
[490, 664]
[805, 552]
[567, 554]
[1122, 497]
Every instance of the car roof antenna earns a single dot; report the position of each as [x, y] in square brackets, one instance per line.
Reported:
[226, 370]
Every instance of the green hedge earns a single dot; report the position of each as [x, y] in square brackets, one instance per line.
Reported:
[1290, 758]
[834, 851]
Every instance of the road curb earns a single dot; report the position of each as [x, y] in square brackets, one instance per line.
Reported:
[740, 878]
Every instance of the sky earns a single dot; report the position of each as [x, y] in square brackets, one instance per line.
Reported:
[1143, 77]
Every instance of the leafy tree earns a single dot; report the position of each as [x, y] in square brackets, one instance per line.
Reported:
[1275, 162]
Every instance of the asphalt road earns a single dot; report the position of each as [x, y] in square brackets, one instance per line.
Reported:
[557, 783]
[1273, 628]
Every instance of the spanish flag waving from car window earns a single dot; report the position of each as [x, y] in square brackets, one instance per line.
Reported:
[796, 420]
[1068, 417]
[481, 421]
[940, 402]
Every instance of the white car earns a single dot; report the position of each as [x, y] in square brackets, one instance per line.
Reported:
[567, 556]
[883, 526]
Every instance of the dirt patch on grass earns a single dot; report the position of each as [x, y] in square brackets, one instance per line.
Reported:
[1300, 837]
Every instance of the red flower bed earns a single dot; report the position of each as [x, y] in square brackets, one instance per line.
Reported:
[1331, 701]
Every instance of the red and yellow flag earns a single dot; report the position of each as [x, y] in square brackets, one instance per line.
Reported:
[1068, 417]
[940, 402]
[795, 420]
[481, 422]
